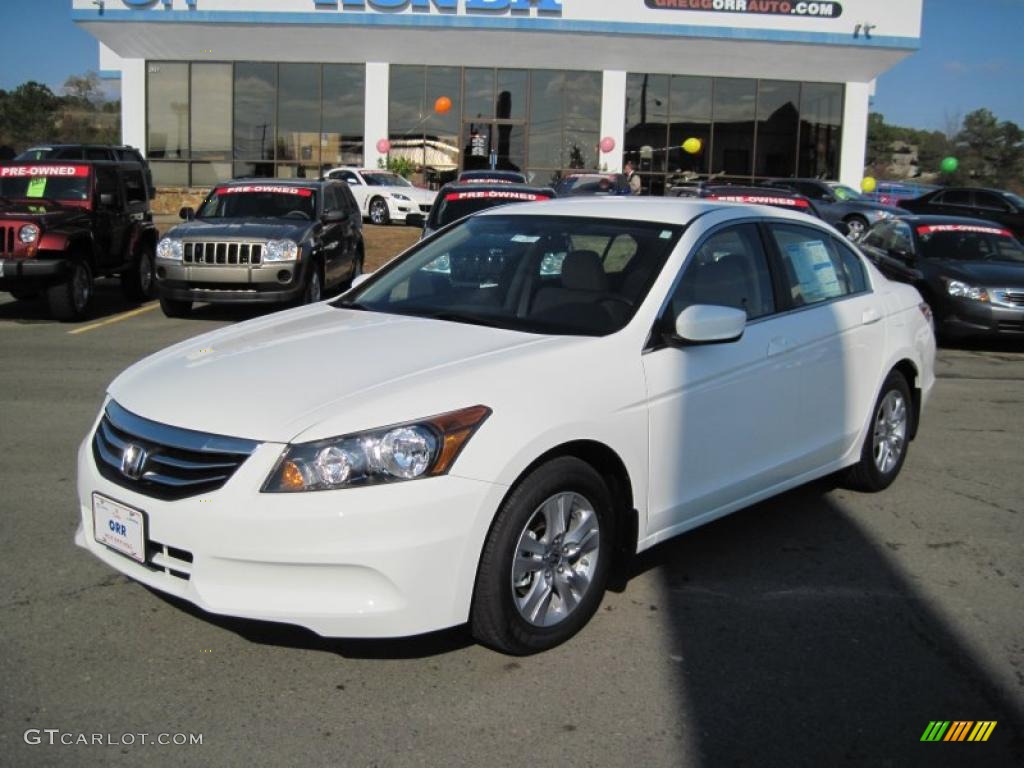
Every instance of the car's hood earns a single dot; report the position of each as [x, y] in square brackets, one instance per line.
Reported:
[46, 215]
[987, 274]
[275, 377]
[242, 229]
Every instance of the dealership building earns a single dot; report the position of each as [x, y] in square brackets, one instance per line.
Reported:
[218, 88]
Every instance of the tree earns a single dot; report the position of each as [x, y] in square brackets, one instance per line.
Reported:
[84, 91]
[27, 114]
[991, 152]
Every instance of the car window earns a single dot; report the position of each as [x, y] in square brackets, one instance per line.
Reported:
[348, 176]
[729, 269]
[106, 184]
[96, 153]
[134, 187]
[331, 201]
[815, 269]
[879, 235]
[346, 198]
[853, 265]
[954, 197]
[990, 201]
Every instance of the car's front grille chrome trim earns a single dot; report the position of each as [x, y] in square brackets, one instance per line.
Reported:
[177, 463]
[218, 253]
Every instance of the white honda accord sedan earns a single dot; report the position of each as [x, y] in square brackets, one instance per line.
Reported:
[477, 431]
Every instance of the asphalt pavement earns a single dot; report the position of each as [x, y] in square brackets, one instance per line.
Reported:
[822, 628]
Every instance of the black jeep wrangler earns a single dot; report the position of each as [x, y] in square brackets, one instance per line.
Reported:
[65, 223]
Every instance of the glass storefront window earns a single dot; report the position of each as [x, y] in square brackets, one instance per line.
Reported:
[732, 137]
[298, 113]
[821, 119]
[344, 88]
[210, 113]
[255, 110]
[167, 110]
[690, 107]
[512, 88]
[778, 119]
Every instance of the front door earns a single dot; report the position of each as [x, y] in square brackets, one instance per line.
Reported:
[505, 139]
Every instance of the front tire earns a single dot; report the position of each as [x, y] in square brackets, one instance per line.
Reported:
[379, 213]
[545, 563]
[858, 226]
[314, 290]
[175, 307]
[885, 446]
[69, 300]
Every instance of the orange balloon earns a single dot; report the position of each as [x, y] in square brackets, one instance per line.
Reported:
[442, 105]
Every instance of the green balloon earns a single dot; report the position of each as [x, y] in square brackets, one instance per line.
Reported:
[950, 164]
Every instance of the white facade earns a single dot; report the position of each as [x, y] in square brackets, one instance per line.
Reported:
[849, 42]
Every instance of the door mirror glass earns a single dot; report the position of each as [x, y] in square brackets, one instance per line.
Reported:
[333, 217]
[709, 324]
[186, 214]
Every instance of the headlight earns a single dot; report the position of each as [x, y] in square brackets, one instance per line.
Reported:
[426, 448]
[281, 250]
[964, 291]
[29, 234]
[400, 196]
[169, 248]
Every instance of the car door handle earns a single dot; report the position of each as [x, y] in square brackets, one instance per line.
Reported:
[870, 316]
[778, 345]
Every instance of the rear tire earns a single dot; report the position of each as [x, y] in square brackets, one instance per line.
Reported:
[885, 446]
[69, 300]
[379, 213]
[139, 281]
[175, 307]
[545, 563]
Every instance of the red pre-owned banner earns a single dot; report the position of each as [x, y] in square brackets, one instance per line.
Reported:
[824, 9]
[271, 188]
[32, 171]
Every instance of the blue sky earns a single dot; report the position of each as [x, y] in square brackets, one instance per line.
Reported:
[971, 56]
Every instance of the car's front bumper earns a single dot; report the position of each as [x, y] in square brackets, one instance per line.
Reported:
[265, 284]
[384, 561]
[24, 273]
[399, 210]
[965, 318]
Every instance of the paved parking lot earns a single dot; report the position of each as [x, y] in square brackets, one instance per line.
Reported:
[822, 628]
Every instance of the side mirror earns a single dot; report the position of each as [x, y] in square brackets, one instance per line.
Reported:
[333, 217]
[708, 324]
[186, 214]
[361, 279]
[415, 220]
[106, 200]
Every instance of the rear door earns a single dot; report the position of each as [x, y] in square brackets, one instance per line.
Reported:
[112, 219]
[832, 339]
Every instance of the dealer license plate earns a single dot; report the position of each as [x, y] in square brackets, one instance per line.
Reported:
[121, 528]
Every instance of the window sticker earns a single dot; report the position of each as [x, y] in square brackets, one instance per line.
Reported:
[264, 188]
[36, 187]
[525, 238]
[814, 270]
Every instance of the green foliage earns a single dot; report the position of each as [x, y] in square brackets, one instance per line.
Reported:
[33, 114]
[403, 166]
[990, 152]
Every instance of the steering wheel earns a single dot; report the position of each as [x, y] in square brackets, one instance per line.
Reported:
[297, 215]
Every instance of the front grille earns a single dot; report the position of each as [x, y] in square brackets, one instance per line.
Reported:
[1014, 297]
[6, 241]
[1011, 326]
[178, 463]
[226, 254]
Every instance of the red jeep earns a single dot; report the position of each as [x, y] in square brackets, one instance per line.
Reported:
[63, 224]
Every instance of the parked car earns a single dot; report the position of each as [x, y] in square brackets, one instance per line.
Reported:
[261, 241]
[63, 224]
[602, 184]
[112, 153]
[839, 203]
[995, 205]
[384, 196]
[456, 201]
[895, 192]
[971, 272]
[491, 177]
[479, 445]
[729, 193]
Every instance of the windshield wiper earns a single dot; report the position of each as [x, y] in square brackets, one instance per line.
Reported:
[464, 317]
[353, 305]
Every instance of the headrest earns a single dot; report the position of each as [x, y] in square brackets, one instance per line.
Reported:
[582, 271]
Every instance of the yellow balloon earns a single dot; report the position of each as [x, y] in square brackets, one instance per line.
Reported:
[692, 145]
[868, 185]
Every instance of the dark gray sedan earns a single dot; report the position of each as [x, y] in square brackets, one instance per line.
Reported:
[837, 202]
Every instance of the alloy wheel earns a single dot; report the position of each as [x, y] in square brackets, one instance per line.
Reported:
[890, 433]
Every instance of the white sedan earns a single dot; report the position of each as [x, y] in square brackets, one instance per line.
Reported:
[384, 196]
[477, 431]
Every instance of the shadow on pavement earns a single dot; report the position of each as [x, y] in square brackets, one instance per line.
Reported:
[107, 300]
[798, 643]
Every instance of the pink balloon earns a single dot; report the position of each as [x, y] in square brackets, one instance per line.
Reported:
[607, 144]
[383, 146]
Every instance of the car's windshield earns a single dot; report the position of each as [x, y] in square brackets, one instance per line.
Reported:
[844, 193]
[45, 182]
[261, 201]
[458, 205]
[592, 184]
[1017, 200]
[539, 274]
[385, 180]
[967, 242]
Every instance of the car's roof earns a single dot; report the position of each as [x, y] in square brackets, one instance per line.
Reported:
[274, 182]
[666, 210]
[496, 186]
